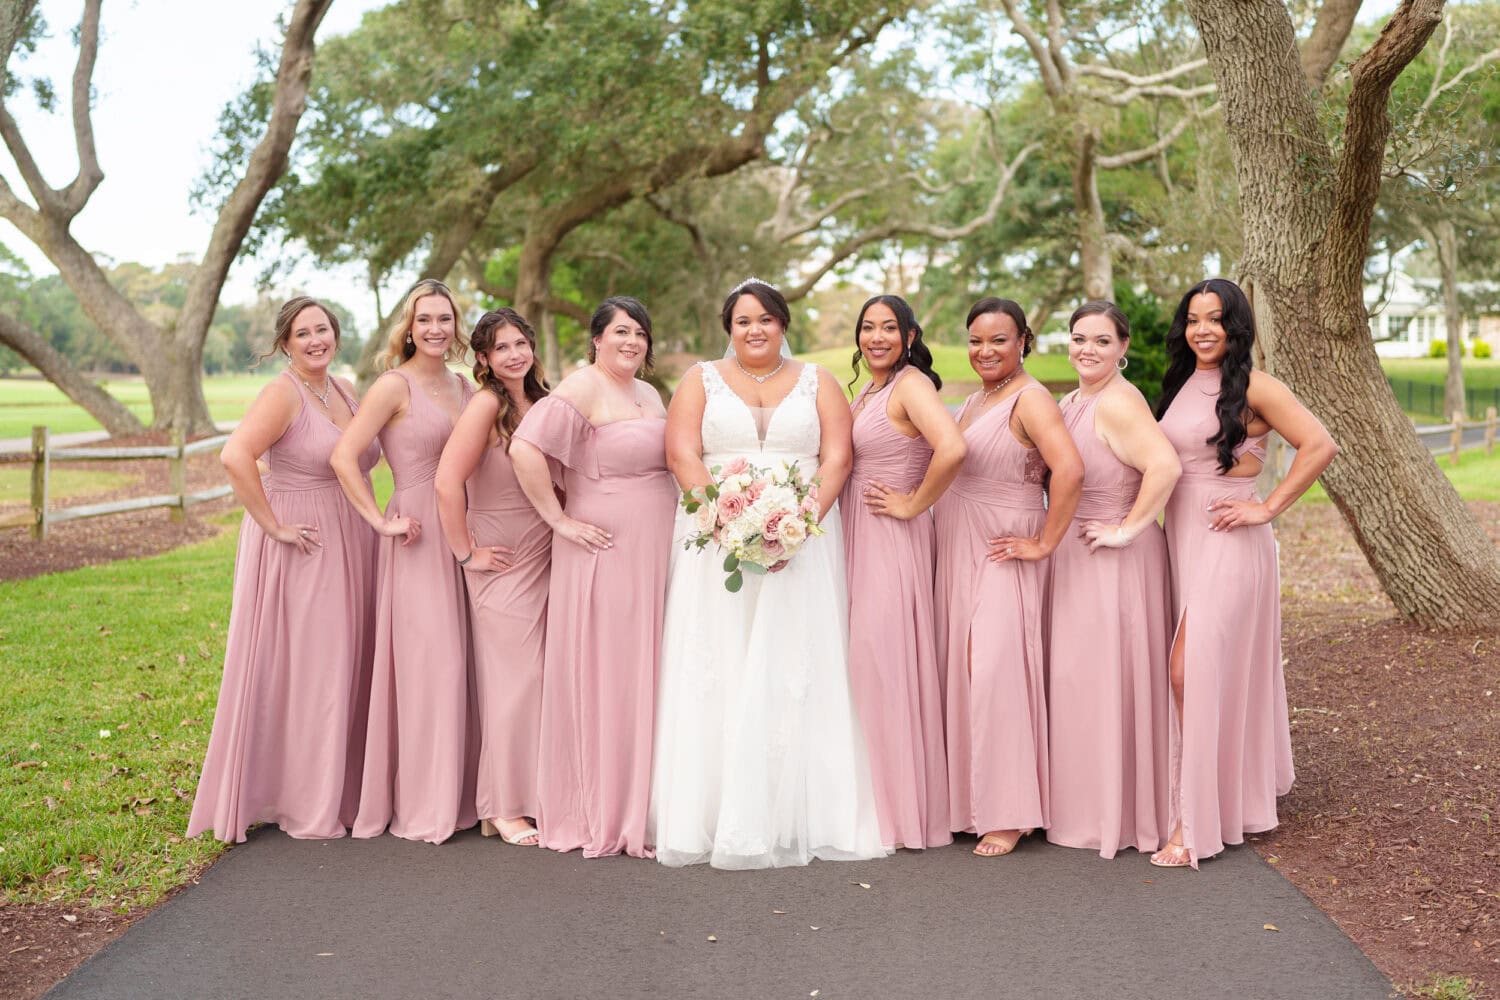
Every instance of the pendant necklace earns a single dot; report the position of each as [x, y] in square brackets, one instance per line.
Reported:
[760, 378]
[321, 397]
[1005, 382]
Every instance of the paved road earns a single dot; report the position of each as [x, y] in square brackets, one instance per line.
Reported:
[475, 918]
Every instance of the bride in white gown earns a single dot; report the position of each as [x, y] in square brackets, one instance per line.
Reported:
[759, 758]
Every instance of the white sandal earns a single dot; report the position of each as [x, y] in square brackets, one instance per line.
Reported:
[488, 829]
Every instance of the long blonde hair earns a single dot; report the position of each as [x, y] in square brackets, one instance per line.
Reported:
[398, 348]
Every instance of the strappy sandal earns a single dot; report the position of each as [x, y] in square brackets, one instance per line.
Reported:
[488, 829]
[1173, 856]
[993, 838]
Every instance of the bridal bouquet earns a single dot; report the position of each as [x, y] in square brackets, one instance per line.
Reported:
[759, 518]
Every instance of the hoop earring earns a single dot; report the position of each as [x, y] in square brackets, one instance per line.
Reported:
[1123, 363]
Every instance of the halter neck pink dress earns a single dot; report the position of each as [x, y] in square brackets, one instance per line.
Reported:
[508, 612]
[893, 669]
[990, 631]
[289, 730]
[1232, 755]
[604, 615]
[1108, 691]
[423, 744]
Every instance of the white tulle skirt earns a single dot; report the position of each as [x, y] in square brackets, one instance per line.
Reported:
[759, 760]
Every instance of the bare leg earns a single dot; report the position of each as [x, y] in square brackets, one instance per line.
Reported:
[1175, 854]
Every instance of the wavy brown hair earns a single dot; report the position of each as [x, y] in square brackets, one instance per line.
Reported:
[398, 350]
[286, 316]
[486, 332]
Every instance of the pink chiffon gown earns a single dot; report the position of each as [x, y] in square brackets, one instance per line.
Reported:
[423, 745]
[990, 635]
[604, 617]
[893, 667]
[1108, 691]
[508, 614]
[289, 730]
[1232, 755]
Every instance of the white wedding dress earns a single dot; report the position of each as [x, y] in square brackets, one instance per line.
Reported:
[759, 759]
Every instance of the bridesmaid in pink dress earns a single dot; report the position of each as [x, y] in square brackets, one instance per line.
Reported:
[610, 546]
[1231, 750]
[505, 549]
[288, 734]
[1107, 687]
[907, 450]
[993, 535]
[422, 746]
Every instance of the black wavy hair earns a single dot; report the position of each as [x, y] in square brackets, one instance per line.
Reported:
[915, 354]
[630, 307]
[769, 298]
[1238, 321]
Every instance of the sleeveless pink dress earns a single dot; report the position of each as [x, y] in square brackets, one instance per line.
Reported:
[289, 730]
[508, 612]
[1233, 754]
[990, 632]
[423, 744]
[1108, 691]
[893, 669]
[604, 615]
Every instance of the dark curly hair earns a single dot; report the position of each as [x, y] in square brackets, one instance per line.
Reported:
[481, 341]
[1238, 321]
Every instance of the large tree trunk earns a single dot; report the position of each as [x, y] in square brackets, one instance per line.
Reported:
[1305, 246]
[1446, 245]
[109, 411]
[1093, 252]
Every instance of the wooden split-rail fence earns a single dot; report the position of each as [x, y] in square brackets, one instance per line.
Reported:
[43, 454]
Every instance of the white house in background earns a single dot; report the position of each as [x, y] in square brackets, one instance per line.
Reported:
[1406, 316]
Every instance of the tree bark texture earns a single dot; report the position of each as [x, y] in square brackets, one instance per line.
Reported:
[1306, 220]
[41, 355]
[1446, 244]
[169, 358]
[1093, 250]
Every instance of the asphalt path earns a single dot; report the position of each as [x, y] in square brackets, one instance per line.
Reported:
[476, 918]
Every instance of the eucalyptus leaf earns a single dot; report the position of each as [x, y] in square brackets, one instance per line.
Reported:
[734, 582]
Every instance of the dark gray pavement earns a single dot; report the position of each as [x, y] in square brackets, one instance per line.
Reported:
[477, 918]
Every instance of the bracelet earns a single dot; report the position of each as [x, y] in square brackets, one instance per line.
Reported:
[465, 560]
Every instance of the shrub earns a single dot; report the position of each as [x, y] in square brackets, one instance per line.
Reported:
[1482, 349]
[1437, 349]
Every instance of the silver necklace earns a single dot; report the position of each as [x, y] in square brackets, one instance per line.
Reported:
[321, 397]
[1007, 381]
[760, 378]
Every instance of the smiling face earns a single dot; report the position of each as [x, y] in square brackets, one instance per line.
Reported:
[433, 326]
[755, 333]
[995, 346]
[510, 357]
[621, 348]
[1095, 348]
[880, 340]
[312, 342]
[1205, 333]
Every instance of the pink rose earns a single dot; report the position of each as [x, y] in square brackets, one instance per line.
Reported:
[757, 487]
[731, 506]
[734, 467]
[772, 530]
[772, 548]
[809, 505]
[777, 567]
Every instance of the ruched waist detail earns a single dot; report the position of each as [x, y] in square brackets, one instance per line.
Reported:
[413, 478]
[1012, 494]
[521, 506]
[273, 485]
[1237, 487]
[897, 479]
[1103, 504]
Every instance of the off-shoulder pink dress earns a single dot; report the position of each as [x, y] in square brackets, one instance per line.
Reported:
[509, 617]
[289, 729]
[604, 615]
[893, 668]
[1233, 754]
[1108, 692]
[990, 631]
[423, 744]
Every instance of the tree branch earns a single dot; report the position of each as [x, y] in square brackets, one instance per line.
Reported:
[56, 368]
[1159, 146]
[554, 304]
[73, 197]
[1330, 32]
[1052, 81]
[1124, 97]
[1131, 80]
[1493, 55]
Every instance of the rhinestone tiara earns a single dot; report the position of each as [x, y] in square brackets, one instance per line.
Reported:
[752, 280]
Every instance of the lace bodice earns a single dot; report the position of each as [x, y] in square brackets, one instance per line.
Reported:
[732, 429]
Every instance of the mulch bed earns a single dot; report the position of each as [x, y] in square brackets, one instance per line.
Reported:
[1391, 828]
[96, 540]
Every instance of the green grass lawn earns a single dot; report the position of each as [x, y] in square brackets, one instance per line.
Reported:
[1476, 477]
[108, 696]
[1478, 374]
[15, 483]
[25, 403]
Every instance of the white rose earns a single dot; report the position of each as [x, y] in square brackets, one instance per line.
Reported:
[793, 532]
[705, 516]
